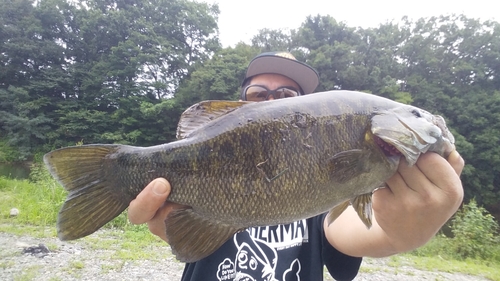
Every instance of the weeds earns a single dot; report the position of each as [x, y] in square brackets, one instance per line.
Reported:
[77, 264]
[29, 273]
[475, 233]
[475, 237]
[39, 200]
[474, 248]
[38, 203]
[8, 153]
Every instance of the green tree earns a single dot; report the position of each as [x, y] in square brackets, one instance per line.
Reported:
[31, 75]
[219, 78]
[95, 71]
[329, 46]
[450, 65]
[269, 40]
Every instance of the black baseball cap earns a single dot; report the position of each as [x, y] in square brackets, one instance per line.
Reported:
[284, 63]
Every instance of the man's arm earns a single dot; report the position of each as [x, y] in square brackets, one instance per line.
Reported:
[408, 213]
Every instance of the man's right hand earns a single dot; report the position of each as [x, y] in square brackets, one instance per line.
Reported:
[150, 207]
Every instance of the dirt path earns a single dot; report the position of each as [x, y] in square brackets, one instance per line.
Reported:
[78, 261]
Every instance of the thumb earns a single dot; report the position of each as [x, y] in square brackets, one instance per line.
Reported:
[146, 204]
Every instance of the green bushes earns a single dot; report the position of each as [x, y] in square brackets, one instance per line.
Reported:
[7, 152]
[475, 233]
[475, 236]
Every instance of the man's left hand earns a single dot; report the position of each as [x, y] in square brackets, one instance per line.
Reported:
[419, 200]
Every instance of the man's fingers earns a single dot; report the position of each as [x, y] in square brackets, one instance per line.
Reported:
[157, 223]
[456, 161]
[144, 207]
[406, 179]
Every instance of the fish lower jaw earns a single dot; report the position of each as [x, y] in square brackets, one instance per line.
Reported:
[388, 149]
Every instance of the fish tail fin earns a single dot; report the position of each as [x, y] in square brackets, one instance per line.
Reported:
[92, 199]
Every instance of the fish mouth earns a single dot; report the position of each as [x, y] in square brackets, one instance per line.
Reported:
[388, 149]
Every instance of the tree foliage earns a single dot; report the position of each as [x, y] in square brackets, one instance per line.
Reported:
[119, 71]
[94, 70]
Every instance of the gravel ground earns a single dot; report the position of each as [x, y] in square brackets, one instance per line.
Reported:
[77, 261]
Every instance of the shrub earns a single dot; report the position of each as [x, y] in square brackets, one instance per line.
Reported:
[475, 233]
[7, 152]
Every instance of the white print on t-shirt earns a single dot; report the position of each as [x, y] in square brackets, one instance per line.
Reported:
[256, 259]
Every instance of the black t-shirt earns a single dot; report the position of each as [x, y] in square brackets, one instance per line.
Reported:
[292, 252]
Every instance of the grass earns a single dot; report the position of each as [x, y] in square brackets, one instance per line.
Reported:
[29, 273]
[133, 243]
[40, 198]
[6, 264]
[486, 269]
[38, 203]
[77, 265]
[112, 266]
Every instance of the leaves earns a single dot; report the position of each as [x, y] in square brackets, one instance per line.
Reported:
[123, 71]
[73, 71]
[475, 232]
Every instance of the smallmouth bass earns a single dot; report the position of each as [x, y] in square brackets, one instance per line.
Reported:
[242, 164]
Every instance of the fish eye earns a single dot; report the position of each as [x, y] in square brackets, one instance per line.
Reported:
[416, 113]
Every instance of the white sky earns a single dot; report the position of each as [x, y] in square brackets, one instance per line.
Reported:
[241, 20]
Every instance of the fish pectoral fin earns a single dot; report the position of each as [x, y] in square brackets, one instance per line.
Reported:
[347, 164]
[363, 206]
[197, 115]
[336, 211]
[193, 237]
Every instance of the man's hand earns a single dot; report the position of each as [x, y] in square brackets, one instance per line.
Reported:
[150, 207]
[416, 203]
[419, 200]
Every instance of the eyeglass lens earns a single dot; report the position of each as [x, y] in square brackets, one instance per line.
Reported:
[261, 93]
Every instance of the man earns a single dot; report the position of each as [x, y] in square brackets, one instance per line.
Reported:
[418, 200]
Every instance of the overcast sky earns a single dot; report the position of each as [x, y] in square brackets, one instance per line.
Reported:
[241, 20]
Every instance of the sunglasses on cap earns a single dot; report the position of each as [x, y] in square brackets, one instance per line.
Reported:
[262, 93]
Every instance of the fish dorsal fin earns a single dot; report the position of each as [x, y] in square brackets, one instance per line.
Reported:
[193, 237]
[348, 164]
[203, 112]
[363, 206]
[336, 211]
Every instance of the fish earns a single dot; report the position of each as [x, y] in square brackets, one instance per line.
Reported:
[239, 164]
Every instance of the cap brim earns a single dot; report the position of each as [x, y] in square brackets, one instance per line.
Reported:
[304, 75]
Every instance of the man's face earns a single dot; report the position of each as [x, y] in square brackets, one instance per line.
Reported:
[273, 82]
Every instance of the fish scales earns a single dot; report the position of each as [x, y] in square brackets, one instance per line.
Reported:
[250, 164]
[240, 182]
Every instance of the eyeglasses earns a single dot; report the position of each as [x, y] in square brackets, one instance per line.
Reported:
[261, 93]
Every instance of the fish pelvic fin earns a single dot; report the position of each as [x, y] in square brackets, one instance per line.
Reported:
[336, 211]
[363, 206]
[192, 237]
[91, 202]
